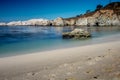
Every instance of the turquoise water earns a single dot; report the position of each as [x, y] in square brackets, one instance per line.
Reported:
[17, 40]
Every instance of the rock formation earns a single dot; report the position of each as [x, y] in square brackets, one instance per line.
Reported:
[108, 15]
[43, 22]
[2, 24]
[14, 23]
[76, 34]
[32, 22]
[58, 22]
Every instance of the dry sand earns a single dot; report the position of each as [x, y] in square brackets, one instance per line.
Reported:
[92, 62]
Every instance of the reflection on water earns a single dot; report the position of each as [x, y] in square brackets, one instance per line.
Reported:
[19, 33]
[27, 39]
[22, 33]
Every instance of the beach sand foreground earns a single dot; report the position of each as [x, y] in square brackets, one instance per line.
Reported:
[92, 62]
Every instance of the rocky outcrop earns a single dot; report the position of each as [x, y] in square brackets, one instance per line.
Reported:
[32, 22]
[14, 23]
[59, 22]
[64, 22]
[70, 22]
[2, 24]
[81, 21]
[76, 34]
[108, 15]
[43, 22]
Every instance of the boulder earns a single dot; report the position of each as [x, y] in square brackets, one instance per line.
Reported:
[76, 34]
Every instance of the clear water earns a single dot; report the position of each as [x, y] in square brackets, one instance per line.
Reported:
[17, 40]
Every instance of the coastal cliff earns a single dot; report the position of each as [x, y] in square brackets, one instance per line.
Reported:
[107, 15]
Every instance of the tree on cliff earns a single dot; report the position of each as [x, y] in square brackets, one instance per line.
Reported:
[88, 11]
[79, 15]
[98, 7]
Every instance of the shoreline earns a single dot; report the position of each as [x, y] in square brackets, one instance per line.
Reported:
[97, 40]
[41, 65]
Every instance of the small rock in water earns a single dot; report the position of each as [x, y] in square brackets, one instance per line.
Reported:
[76, 34]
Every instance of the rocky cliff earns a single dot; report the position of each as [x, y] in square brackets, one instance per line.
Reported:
[31, 22]
[108, 15]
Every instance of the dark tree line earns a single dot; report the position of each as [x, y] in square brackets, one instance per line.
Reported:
[98, 7]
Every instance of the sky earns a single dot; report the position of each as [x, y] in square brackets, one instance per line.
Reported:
[14, 10]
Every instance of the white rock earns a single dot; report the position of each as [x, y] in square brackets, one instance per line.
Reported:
[2, 24]
[59, 21]
[14, 23]
[30, 22]
[81, 21]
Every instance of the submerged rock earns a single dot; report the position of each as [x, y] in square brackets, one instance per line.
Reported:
[76, 34]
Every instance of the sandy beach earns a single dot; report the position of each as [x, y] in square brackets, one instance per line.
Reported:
[60, 40]
[91, 62]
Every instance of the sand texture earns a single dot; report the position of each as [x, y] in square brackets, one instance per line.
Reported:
[92, 62]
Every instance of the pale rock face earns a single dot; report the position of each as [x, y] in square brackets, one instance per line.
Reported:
[70, 22]
[30, 22]
[81, 21]
[103, 17]
[58, 22]
[91, 21]
[14, 23]
[115, 20]
[107, 17]
[25, 23]
[66, 22]
[38, 22]
[2, 24]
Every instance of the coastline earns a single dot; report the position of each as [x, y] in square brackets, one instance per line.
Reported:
[65, 64]
[56, 44]
[60, 45]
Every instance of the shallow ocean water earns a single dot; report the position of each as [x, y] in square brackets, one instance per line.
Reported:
[17, 40]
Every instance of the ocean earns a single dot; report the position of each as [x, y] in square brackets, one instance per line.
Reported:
[18, 40]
